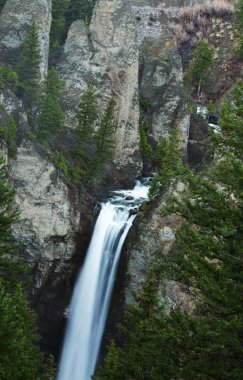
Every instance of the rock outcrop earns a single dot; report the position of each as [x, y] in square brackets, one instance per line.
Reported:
[161, 77]
[155, 235]
[107, 58]
[15, 20]
[48, 219]
[128, 52]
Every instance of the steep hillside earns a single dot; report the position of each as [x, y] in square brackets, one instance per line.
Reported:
[92, 96]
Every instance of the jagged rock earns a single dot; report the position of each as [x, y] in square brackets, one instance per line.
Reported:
[161, 75]
[48, 218]
[122, 37]
[154, 235]
[15, 20]
[108, 60]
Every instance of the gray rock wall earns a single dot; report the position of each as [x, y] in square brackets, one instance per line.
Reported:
[127, 52]
[15, 20]
[48, 219]
[154, 235]
[161, 75]
[108, 60]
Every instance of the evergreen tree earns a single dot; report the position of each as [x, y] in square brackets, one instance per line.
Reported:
[29, 68]
[167, 160]
[87, 116]
[79, 9]
[11, 136]
[104, 140]
[8, 78]
[51, 118]
[19, 356]
[59, 8]
[9, 133]
[207, 260]
[238, 13]
[144, 147]
[7, 218]
[201, 62]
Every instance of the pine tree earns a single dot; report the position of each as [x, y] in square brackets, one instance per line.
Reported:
[59, 8]
[7, 218]
[9, 133]
[11, 136]
[79, 9]
[167, 160]
[51, 118]
[201, 62]
[19, 355]
[29, 68]
[207, 259]
[104, 140]
[144, 147]
[87, 116]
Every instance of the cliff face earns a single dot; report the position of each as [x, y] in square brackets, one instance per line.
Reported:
[154, 235]
[129, 55]
[15, 20]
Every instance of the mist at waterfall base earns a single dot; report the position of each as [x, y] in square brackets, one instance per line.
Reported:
[92, 292]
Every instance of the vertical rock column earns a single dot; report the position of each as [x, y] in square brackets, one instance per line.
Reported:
[107, 58]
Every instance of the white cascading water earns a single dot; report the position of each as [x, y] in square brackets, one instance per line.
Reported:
[92, 293]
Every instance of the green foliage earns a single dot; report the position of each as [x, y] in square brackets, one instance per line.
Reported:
[145, 148]
[59, 8]
[80, 9]
[207, 259]
[212, 108]
[87, 116]
[94, 148]
[61, 163]
[7, 218]
[9, 133]
[191, 105]
[51, 118]
[155, 187]
[29, 68]
[104, 140]
[238, 14]
[8, 77]
[167, 158]
[19, 356]
[200, 64]
[11, 136]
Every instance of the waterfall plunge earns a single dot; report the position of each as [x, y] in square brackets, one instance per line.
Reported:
[92, 293]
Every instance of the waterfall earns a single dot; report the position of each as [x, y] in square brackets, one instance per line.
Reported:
[92, 292]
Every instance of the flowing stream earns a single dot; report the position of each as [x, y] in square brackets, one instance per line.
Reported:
[92, 292]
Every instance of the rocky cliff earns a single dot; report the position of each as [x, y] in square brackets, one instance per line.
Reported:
[128, 54]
